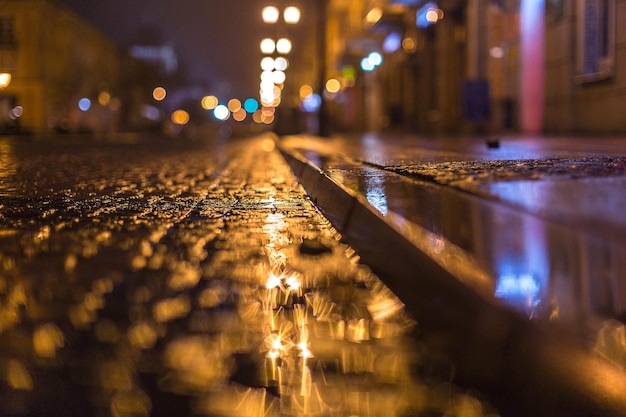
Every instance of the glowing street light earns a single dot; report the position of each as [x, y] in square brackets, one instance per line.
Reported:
[281, 63]
[268, 64]
[291, 15]
[268, 46]
[283, 46]
[270, 14]
[5, 79]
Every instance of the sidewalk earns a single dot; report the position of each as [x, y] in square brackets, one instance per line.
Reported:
[445, 285]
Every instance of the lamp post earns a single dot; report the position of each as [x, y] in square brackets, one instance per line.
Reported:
[280, 45]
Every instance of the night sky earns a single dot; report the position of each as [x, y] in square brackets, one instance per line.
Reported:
[216, 41]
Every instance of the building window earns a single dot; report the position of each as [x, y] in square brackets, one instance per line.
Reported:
[7, 32]
[595, 40]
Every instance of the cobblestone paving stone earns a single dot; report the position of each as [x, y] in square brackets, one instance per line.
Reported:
[199, 285]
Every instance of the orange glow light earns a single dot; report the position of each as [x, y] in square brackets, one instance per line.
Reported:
[209, 102]
[159, 93]
[240, 115]
[180, 117]
[234, 105]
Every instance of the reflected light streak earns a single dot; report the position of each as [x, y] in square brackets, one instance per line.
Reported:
[611, 343]
[18, 377]
[47, 339]
[375, 193]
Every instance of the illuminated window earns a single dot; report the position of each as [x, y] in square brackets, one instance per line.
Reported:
[596, 40]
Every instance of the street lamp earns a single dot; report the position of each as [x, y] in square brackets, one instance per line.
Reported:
[270, 14]
[5, 79]
[291, 15]
[268, 46]
[283, 46]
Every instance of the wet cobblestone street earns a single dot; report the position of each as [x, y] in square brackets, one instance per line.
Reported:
[195, 281]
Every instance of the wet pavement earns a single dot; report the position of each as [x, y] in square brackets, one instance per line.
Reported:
[533, 226]
[542, 217]
[146, 277]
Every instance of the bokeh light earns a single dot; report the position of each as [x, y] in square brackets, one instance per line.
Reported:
[84, 104]
[221, 112]
[270, 14]
[16, 112]
[234, 105]
[392, 42]
[333, 85]
[374, 15]
[291, 15]
[370, 62]
[159, 93]
[267, 64]
[267, 77]
[376, 58]
[283, 46]
[278, 77]
[240, 115]
[5, 79]
[104, 98]
[305, 91]
[180, 117]
[209, 102]
[409, 44]
[150, 113]
[431, 16]
[366, 65]
[311, 103]
[251, 105]
[115, 104]
[268, 46]
[281, 63]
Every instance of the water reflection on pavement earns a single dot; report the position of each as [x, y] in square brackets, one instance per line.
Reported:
[541, 217]
[156, 281]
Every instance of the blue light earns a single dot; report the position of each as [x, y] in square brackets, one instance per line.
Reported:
[84, 104]
[420, 20]
[251, 105]
[311, 103]
[367, 65]
[392, 43]
[520, 286]
[375, 58]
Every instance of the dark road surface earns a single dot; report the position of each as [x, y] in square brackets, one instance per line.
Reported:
[146, 276]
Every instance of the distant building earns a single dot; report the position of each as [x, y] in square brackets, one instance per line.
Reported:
[64, 73]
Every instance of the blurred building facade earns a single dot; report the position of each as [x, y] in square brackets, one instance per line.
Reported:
[477, 66]
[56, 59]
[585, 66]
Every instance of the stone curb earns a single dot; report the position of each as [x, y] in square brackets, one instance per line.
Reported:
[526, 367]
